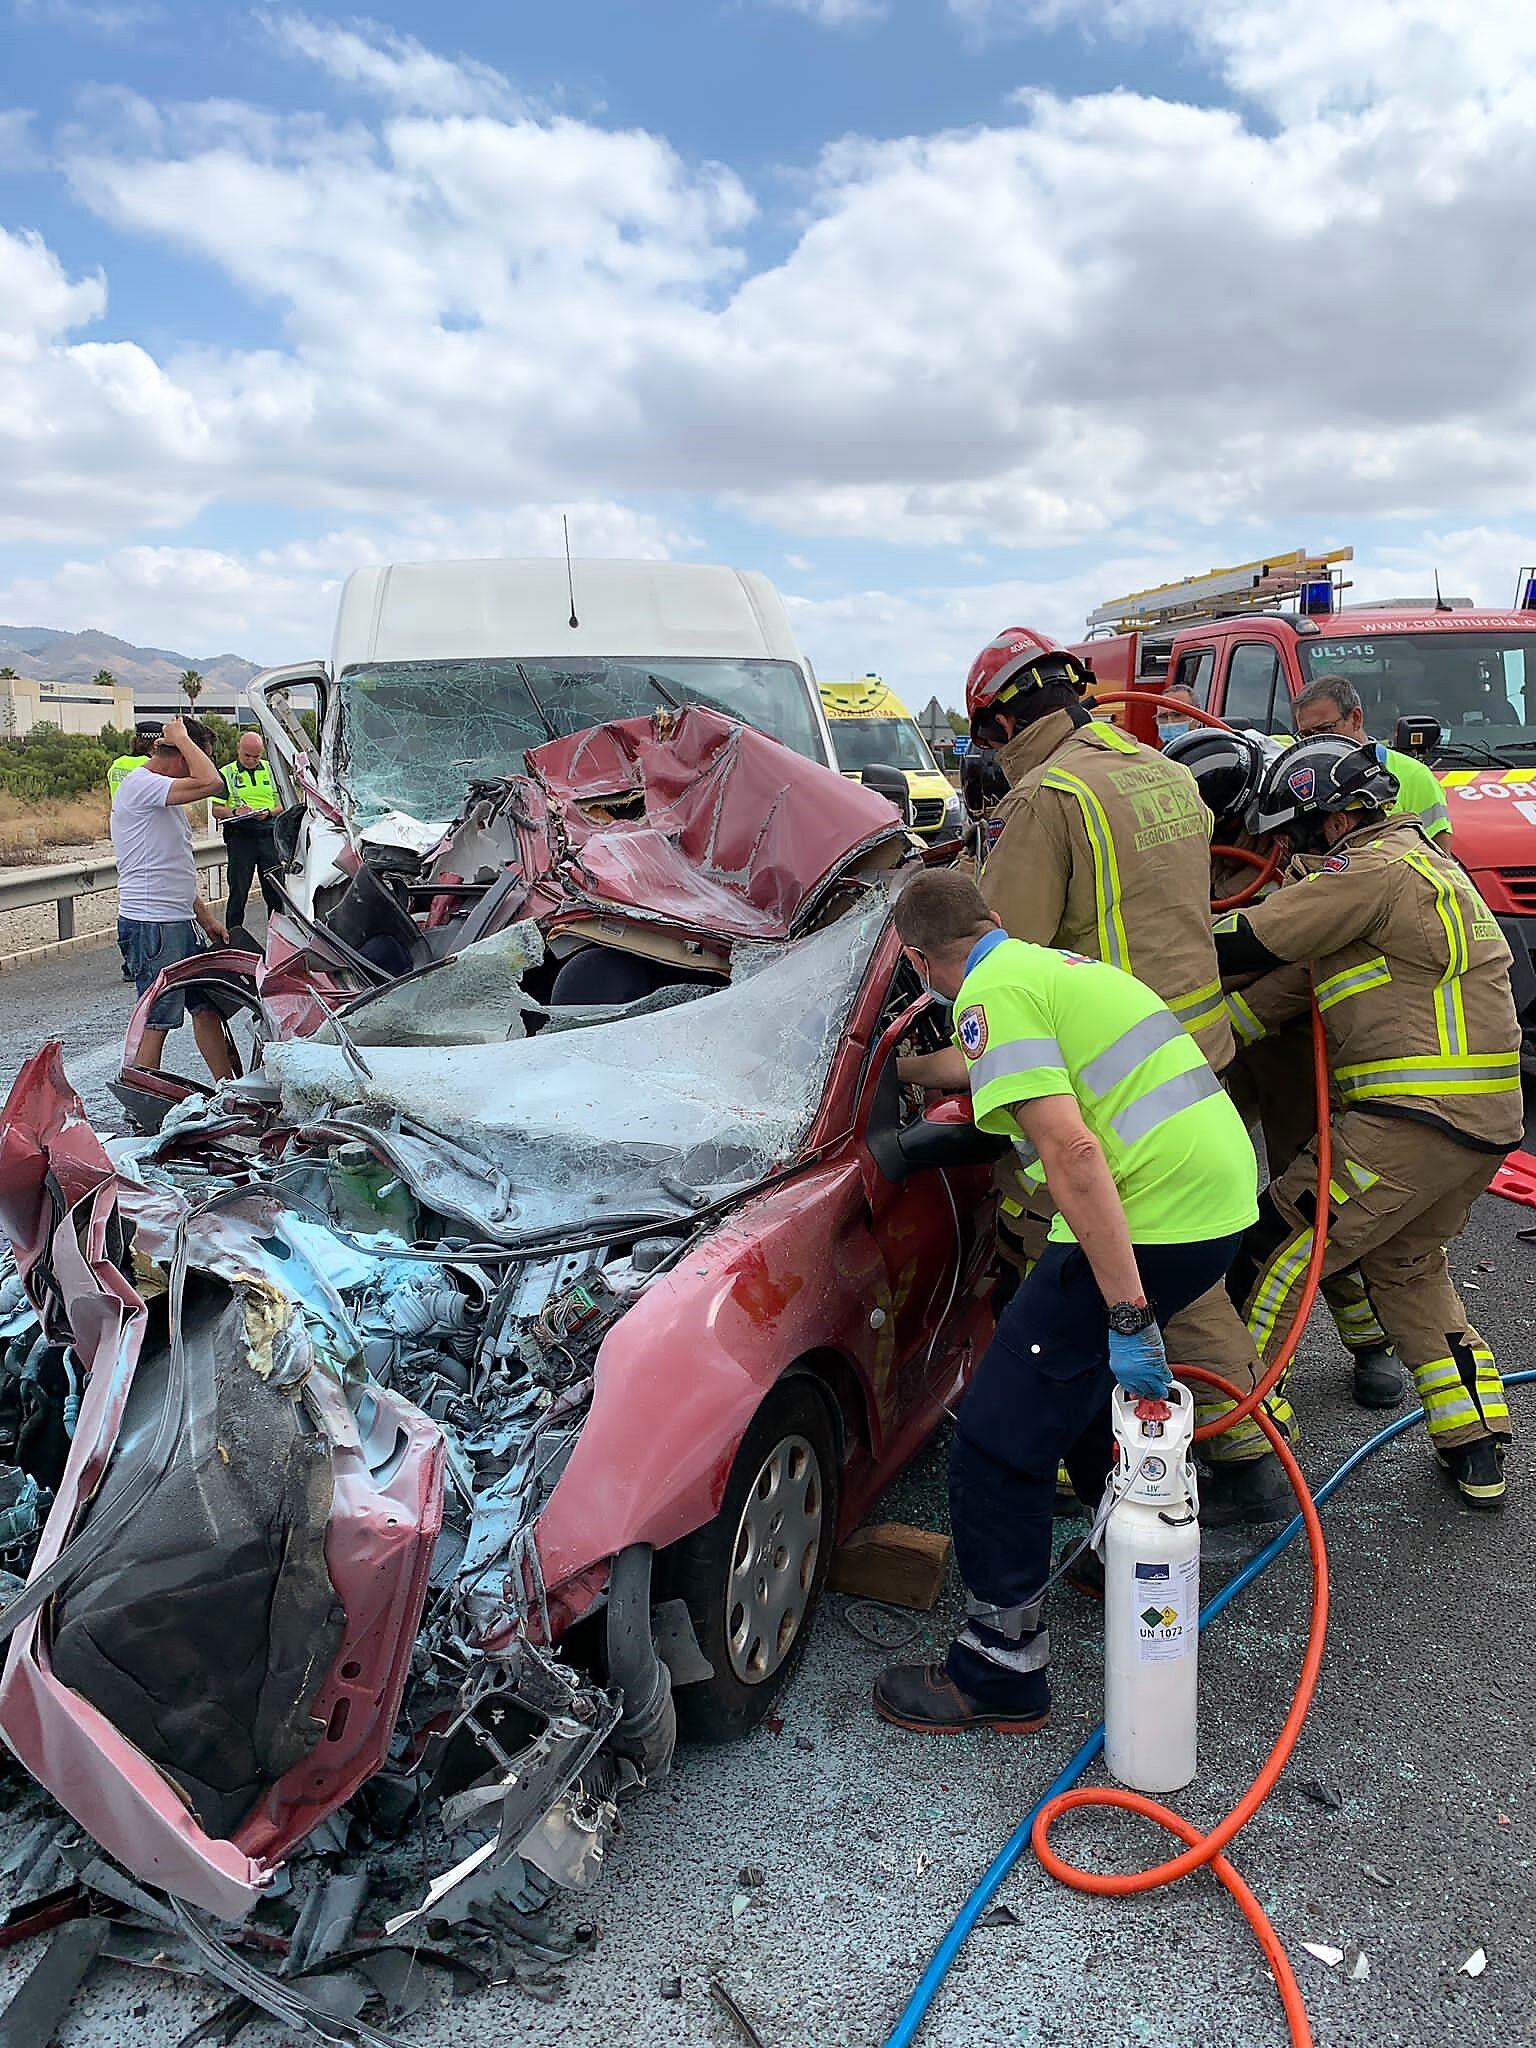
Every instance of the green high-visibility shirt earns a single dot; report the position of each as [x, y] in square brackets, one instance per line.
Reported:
[121, 769]
[1419, 795]
[252, 788]
[1032, 1021]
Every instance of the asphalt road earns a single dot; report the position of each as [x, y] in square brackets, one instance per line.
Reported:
[1404, 1831]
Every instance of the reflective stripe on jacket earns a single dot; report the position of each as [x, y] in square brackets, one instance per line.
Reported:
[1411, 974]
[1105, 851]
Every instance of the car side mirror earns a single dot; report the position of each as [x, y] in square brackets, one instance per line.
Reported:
[943, 1142]
[892, 785]
[1418, 735]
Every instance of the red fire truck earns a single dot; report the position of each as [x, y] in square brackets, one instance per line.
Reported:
[1438, 678]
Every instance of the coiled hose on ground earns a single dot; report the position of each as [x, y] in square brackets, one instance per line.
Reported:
[1201, 1850]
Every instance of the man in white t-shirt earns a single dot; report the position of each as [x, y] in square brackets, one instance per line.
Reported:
[161, 916]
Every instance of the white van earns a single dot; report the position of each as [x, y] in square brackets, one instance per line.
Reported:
[443, 673]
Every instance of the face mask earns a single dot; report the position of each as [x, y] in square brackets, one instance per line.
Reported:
[1170, 728]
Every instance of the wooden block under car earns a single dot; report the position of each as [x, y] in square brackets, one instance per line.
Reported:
[891, 1561]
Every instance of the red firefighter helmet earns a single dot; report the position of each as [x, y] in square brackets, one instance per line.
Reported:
[1018, 659]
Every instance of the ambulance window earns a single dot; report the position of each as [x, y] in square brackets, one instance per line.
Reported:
[1195, 671]
[1251, 675]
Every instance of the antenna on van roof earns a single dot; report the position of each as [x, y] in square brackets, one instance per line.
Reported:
[570, 580]
[1440, 603]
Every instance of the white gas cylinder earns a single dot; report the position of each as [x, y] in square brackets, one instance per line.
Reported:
[1151, 1549]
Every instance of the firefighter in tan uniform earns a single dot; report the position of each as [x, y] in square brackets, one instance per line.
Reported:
[1104, 849]
[1271, 1080]
[1411, 974]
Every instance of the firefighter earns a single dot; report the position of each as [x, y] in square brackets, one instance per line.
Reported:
[1105, 846]
[1154, 1178]
[1105, 850]
[1411, 975]
[1271, 1079]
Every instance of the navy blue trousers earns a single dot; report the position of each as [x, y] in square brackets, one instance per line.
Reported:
[1040, 1398]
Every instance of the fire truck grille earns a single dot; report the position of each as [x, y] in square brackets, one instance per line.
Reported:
[1521, 884]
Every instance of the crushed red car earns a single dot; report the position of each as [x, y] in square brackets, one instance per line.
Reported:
[406, 1439]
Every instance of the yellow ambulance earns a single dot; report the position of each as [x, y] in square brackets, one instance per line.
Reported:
[870, 725]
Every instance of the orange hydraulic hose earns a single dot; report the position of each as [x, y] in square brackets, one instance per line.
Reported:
[1268, 865]
[1206, 1850]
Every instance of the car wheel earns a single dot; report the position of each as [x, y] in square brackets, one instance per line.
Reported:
[751, 1577]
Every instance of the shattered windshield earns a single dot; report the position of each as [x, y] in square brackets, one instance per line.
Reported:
[412, 735]
[1480, 686]
[659, 1112]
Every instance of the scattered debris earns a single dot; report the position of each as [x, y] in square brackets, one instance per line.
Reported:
[33, 2015]
[1360, 1969]
[751, 1879]
[1475, 1964]
[1378, 1876]
[883, 1628]
[804, 1742]
[1325, 1952]
[1322, 1795]
[892, 1562]
[727, 2004]
[999, 1916]
[1503, 1820]
[671, 1987]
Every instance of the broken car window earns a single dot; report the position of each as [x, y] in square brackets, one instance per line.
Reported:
[412, 735]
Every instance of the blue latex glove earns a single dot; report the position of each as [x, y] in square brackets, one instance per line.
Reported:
[1140, 1363]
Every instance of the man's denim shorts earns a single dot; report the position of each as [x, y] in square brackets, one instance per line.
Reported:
[149, 948]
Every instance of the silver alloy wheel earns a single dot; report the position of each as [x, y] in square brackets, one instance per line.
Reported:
[773, 1560]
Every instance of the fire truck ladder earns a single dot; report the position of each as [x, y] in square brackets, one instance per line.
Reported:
[1313, 580]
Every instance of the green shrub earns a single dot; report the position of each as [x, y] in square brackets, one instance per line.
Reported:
[49, 763]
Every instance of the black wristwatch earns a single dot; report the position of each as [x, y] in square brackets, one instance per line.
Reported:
[1128, 1318]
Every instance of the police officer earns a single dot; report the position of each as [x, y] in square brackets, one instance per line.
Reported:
[1271, 1079]
[144, 737]
[1154, 1181]
[249, 804]
[1411, 975]
[1332, 705]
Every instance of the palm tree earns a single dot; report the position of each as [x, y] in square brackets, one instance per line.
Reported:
[191, 686]
[8, 675]
[104, 679]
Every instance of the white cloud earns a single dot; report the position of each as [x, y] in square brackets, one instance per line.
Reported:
[278, 604]
[836, 13]
[1096, 309]
[393, 67]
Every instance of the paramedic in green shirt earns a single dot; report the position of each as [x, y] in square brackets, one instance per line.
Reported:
[1155, 1181]
[1332, 705]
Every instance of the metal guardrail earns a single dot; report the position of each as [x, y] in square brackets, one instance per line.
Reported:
[63, 884]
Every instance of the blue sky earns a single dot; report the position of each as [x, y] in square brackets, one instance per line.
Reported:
[946, 313]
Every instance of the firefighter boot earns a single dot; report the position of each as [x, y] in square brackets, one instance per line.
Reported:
[1254, 1490]
[1379, 1379]
[1478, 1470]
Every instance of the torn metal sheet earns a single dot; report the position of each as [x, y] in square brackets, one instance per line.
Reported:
[356, 1405]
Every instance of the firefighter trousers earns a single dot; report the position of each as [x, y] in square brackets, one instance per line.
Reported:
[1040, 1395]
[1271, 1082]
[1400, 1191]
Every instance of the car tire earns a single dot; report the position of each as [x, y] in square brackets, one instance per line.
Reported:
[752, 1577]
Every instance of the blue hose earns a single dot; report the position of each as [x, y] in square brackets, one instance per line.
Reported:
[915, 2011]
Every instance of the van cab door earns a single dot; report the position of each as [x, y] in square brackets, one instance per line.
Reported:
[1252, 691]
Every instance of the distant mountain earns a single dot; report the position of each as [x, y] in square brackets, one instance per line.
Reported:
[153, 673]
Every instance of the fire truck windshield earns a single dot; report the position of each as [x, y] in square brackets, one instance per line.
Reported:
[1480, 686]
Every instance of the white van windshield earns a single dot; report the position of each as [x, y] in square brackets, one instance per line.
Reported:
[411, 736]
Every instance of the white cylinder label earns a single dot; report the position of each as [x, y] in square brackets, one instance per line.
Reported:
[1165, 1614]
